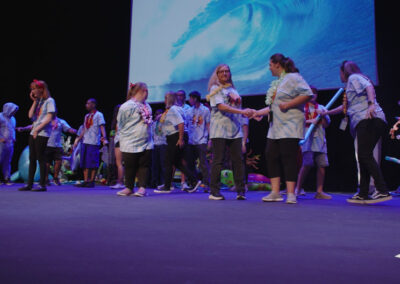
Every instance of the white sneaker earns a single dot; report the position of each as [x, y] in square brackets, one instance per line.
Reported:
[162, 186]
[140, 192]
[184, 186]
[272, 197]
[117, 186]
[291, 198]
[301, 191]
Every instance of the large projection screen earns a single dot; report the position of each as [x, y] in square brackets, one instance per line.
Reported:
[176, 44]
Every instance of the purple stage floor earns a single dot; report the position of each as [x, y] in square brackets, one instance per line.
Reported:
[73, 235]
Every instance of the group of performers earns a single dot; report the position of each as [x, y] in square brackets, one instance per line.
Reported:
[176, 137]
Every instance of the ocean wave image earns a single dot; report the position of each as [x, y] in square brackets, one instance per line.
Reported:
[177, 44]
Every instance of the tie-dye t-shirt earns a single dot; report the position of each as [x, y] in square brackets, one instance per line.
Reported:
[198, 119]
[289, 123]
[43, 107]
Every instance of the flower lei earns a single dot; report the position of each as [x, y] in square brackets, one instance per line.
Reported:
[273, 87]
[217, 90]
[145, 113]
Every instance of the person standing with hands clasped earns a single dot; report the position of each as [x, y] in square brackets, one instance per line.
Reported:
[285, 106]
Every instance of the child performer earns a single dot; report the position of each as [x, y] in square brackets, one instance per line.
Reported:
[314, 150]
[41, 113]
[54, 150]
[134, 125]
[7, 139]
[93, 134]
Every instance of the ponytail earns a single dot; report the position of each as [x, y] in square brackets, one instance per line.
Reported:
[286, 62]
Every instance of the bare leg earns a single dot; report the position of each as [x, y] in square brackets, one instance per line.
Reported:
[57, 167]
[92, 174]
[320, 179]
[275, 184]
[290, 185]
[302, 176]
[86, 174]
[120, 168]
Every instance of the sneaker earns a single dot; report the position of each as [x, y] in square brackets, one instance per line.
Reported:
[300, 192]
[322, 195]
[162, 190]
[379, 197]
[141, 192]
[162, 186]
[356, 198]
[184, 186]
[90, 184]
[240, 196]
[125, 192]
[291, 198]
[272, 197]
[40, 188]
[82, 184]
[25, 188]
[283, 192]
[216, 196]
[56, 181]
[117, 186]
[7, 182]
[194, 188]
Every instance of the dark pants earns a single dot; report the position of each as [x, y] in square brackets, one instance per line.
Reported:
[136, 163]
[282, 153]
[200, 152]
[157, 166]
[218, 150]
[37, 149]
[174, 157]
[369, 131]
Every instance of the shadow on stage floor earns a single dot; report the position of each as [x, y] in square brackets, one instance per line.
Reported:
[73, 235]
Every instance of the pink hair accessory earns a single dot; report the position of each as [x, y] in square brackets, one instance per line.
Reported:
[38, 83]
[131, 85]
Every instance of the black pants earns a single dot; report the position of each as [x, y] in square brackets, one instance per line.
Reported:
[157, 165]
[369, 131]
[136, 163]
[37, 149]
[174, 157]
[218, 150]
[200, 152]
[282, 153]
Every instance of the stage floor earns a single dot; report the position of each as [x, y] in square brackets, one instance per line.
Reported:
[74, 235]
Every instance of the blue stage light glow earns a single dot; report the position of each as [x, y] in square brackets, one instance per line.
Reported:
[176, 44]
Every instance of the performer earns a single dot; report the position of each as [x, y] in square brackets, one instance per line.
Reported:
[181, 102]
[134, 126]
[314, 149]
[285, 104]
[93, 134]
[158, 155]
[117, 152]
[54, 150]
[226, 130]
[41, 113]
[7, 139]
[173, 127]
[368, 124]
[199, 125]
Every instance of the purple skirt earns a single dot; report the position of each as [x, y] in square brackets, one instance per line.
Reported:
[90, 156]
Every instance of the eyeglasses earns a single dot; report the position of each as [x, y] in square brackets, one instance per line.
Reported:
[224, 71]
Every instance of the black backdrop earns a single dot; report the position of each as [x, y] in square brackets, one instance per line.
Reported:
[81, 49]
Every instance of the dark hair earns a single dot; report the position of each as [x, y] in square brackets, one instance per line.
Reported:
[348, 68]
[196, 95]
[93, 101]
[181, 91]
[285, 62]
[114, 117]
[314, 89]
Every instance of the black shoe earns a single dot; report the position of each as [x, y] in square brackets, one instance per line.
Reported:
[83, 184]
[216, 196]
[90, 184]
[25, 188]
[356, 198]
[162, 190]
[40, 188]
[240, 196]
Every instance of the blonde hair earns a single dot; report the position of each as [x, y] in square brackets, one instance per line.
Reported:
[170, 99]
[134, 89]
[214, 77]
